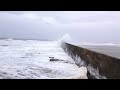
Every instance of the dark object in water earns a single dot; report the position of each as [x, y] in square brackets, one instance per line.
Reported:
[53, 59]
[23, 57]
[56, 60]
[4, 45]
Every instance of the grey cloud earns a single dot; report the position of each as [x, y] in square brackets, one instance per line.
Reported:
[82, 26]
[75, 16]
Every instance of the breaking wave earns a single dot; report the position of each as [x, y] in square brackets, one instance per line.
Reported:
[65, 38]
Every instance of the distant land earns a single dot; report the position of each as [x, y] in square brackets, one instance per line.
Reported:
[27, 39]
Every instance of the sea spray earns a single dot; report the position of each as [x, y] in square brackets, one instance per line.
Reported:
[64, 38]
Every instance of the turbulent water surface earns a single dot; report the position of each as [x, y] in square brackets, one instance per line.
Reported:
[20, 59]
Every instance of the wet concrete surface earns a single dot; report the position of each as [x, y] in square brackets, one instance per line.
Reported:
[102, 62]
[113, 51]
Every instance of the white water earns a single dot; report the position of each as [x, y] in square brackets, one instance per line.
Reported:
[30, 59]
[65, 38]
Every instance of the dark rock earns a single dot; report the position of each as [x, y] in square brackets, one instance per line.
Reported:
[56, 60]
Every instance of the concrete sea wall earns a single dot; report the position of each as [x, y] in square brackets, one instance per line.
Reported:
[99, 66]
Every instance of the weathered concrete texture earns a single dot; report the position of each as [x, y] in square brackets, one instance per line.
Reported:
[99, 66]
[113, 51]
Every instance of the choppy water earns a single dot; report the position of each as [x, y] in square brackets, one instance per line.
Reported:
[30, 60]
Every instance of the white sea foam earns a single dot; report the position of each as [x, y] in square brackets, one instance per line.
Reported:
[30, 59]
[65, 38]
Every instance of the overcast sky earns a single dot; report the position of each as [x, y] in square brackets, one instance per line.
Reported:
[82, 26]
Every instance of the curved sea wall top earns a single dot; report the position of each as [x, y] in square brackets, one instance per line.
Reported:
[99, 66]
